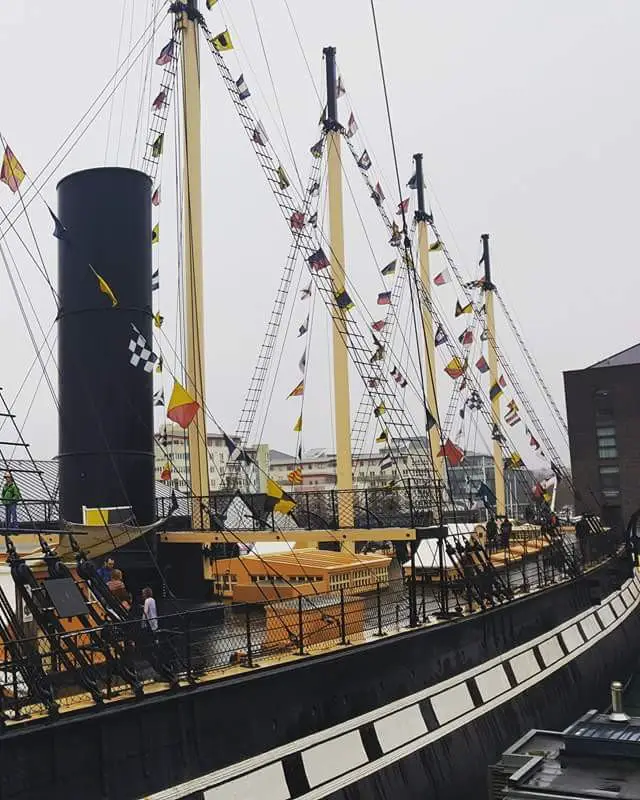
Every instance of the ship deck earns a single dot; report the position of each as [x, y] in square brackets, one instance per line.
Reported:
[197, 650]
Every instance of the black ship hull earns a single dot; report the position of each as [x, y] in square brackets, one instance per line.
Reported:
[372, 721]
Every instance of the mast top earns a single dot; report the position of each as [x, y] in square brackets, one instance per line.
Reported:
[486, 260]
[331, 121]
[421, 213]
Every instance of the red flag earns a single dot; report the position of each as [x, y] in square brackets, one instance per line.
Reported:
[155, 198]
[159, 101]
[182, 407]
[403, 207]
[384, 298]
[442, 278]
[297, 221]
[166, 54]
[452, 453]
[481, 365]
[379, 325]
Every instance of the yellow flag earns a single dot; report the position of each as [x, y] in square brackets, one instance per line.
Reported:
[211, 4]
[158, 319]
[182, 407]
[468, 309]
[455, 368]
[516, 460]
[11, 172]
[284, 502]
[298, 426]
[104, 287]
[155, 234]
[283, 181]
[222, 41]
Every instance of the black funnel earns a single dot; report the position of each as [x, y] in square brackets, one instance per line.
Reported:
[106, 446]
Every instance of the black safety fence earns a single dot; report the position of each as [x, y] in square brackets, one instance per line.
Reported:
[41, 674]
[408, 506]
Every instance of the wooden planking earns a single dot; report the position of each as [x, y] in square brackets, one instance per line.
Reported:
[298, 536]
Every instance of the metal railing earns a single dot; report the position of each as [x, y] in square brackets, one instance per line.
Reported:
[33, 515]
[37, 680]
[397, 507]
[405, 506]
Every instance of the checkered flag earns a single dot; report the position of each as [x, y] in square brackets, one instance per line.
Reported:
[140, 351]
[474, 401]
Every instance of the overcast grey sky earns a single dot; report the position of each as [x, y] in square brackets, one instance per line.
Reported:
[527, 115]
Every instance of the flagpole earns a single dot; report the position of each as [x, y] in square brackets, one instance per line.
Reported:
[344, 463]
[498, 466]
[194, 312]
[422, 218]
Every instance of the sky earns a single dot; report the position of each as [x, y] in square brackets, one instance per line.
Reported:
[526, 115]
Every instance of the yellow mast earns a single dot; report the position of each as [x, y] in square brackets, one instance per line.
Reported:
[344, 463]
[192, 214]
[427, 319]
[498, 466]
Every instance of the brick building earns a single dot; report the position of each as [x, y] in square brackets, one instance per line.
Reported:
[603, 413]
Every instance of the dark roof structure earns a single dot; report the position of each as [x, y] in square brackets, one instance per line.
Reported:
[631, 355]
[597, 756]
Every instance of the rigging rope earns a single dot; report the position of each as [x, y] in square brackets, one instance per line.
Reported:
[397, 419]
[534, 368]
[98, 104]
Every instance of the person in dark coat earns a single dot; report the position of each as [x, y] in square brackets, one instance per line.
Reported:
[492, 535]
[582, 536]
[505, 532]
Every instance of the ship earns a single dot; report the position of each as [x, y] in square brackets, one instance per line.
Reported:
[346, 643]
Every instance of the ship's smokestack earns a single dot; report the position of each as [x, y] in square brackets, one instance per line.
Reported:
[106, 404]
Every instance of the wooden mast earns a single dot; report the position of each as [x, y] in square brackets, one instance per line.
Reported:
[192, 217]
[427, 319]
[498, 466]
[344, 463]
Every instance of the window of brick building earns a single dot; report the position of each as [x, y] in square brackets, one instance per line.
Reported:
[605, 424]
[610, 481]
[606, 438]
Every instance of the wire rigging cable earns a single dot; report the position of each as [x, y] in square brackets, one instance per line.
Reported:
[88, 117]
[407, 245]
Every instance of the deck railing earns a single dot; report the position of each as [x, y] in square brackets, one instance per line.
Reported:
[41, 674]
[409, 505]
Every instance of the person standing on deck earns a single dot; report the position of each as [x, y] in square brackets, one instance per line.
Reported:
[582, 537]
[117, 587]
[10, 498]
[492, 535]
[149, 611]
[106, 569]
[505, 531]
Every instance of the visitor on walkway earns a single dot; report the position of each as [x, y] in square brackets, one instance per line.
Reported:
[149, 611]
[505, 532]
[117, 587]
[10, 498]
[492, 535]
[106, 569]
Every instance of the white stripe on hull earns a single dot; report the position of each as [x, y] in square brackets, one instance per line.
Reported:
[335, 757]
